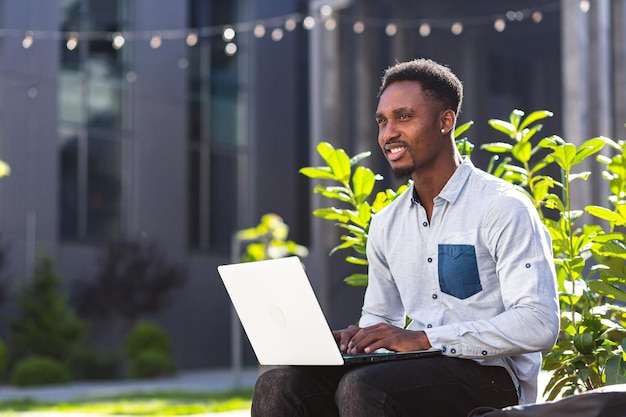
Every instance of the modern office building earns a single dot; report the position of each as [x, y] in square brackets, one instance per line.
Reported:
[179, 122]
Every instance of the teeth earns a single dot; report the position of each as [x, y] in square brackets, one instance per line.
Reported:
[396, 150]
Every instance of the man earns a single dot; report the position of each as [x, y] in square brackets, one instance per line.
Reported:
[461, 254]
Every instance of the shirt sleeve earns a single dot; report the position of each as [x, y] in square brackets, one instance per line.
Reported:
[382, 302]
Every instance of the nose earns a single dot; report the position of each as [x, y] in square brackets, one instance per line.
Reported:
[386, 132]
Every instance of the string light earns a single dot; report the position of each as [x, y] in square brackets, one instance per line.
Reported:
[499, 25]
[230, 49]
[391, 29]
[290, 24]
[259, 30]
[27, 42]
[584, 6]
[228, 34]
[192, 38]
[308, 23]
[155, 41]
[72, 42]
[330, 24]
[358, 27]
[457, 28]
[118, 41]
[277, 34]
[277, 26]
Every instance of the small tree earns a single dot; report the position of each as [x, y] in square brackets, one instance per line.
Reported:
[134, 279]
[46, 325]
[269, 240]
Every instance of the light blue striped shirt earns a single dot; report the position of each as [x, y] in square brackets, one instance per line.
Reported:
[478, 278]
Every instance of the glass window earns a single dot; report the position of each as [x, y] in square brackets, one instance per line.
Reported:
[91, 103]
[215, 133]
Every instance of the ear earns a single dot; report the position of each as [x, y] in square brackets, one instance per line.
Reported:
[448, 119]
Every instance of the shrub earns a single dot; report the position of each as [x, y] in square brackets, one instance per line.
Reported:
[39, 371]
[147, 335]
[150, 363]
[4, 357]
[92, 365]
[148, 351]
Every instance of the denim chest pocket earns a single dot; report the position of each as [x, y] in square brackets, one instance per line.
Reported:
[458, 271]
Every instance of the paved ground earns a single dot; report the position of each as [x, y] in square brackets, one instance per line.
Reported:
[193, 381]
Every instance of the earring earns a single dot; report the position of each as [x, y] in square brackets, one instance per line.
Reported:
[443, 130]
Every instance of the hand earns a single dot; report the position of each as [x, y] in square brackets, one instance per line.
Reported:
[381, 335]
[343, 337]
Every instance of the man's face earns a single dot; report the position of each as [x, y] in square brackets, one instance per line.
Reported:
[409, 131]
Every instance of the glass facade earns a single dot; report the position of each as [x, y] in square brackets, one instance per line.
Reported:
[214, 126]
[92, 126]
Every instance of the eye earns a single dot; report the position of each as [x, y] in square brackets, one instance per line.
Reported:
[404, 116]
[380, 120]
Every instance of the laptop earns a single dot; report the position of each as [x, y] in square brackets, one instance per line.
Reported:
[283, 319]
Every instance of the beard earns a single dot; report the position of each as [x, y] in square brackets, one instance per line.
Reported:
[405, 172]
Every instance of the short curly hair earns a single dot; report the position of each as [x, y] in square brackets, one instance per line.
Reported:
[436, 79]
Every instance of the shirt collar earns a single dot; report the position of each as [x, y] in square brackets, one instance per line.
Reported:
[453, 187]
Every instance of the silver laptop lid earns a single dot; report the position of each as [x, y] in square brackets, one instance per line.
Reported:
[280, 312]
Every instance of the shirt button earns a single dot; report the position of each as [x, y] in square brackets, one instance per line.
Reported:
[425, 224]
[430, 260]
[453, 351]
[429, 326]
[527, 265]
[484, 352]
[434, 296]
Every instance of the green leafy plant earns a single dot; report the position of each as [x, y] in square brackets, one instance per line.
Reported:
[589, 346]
[269, 240]
[352, 185]
[589, 260]
[148, 351]
[39, 370]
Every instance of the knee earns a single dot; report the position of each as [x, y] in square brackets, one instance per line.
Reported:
[270, 393]
[356, 392]
[270, 382]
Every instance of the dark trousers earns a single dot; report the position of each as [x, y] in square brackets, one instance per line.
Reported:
[427, 387]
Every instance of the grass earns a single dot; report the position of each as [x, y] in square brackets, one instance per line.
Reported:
[139, 404]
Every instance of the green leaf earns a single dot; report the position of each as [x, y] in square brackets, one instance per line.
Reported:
[336, 193]
[497, 147]
[615, 370]
[515, 117]
[459, 130]
[603, 213]
[527, 134]
[356, 261]
[337, 160]
[356, 280]
[521, 151]
[564, 156]
[363, 182]
[588, 148]
[331, 214]
[502, 126]
[608, 290]
[318, 172]
[534, 116]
